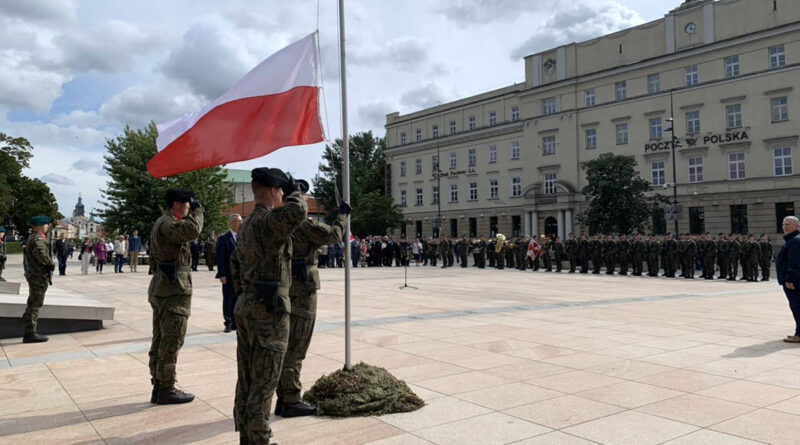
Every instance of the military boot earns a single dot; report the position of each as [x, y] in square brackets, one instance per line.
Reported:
[154, 394]
[279, 407]
[300, 408]
[169, 395]
[34, 338]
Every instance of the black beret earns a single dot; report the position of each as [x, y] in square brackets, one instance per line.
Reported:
[269, 177]
[178, 195]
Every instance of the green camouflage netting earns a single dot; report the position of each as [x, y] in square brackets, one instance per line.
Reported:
[363, 391]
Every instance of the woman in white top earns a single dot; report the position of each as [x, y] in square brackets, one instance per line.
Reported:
[416, 249]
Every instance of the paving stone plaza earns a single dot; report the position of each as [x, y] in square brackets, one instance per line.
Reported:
[501, 357]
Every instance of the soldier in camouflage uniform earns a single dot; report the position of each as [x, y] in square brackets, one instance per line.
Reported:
[583, 253]
[491, 252]
[500, 254]
[610, 254]
[734, 250]
[433, 251]
[480, 252]
[638, 253]
[521, 250]
[39, 267]
[669, 253]
[261, 269]
[306, 240]
[463, 251]
[558, 253]
[547, 248]
[571, 249]
[687, 258]
[722, 256]
[596, 254]
[753, 258]
[2, 252]
[623, 254]
[653, 252]
[511, 253]
[709, 257]
[765, 257]
[170, 291]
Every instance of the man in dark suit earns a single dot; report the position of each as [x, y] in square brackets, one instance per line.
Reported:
[226, 244]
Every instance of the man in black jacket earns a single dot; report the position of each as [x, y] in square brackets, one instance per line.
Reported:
[226, 245]
[787, 265]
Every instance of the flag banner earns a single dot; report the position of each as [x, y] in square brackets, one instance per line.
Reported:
[533, 248]
[273, 106]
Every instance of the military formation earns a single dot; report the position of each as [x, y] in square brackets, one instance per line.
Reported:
[715, 257]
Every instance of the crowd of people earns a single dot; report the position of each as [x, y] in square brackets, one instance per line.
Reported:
[99, 252]
[717, 257]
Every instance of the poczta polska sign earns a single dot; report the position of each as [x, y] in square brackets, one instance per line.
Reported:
[691, 141]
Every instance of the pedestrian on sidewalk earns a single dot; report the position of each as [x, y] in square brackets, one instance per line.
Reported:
[119, 254]
[85, 255]
[100, 254]
[787, 265]
[134, 247]
[62, 253]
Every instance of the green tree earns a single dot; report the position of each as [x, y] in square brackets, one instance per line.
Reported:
[30, 197]
[619, 200]
[373, 211]
[134, 200]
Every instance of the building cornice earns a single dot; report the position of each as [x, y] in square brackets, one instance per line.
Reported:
[459, 138]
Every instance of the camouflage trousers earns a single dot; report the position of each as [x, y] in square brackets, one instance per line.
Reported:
[301, 328]
[170, 318]
[36, 291]
[262, 339]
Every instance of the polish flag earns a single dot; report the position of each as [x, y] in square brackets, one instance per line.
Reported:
[533, 248]
[273, 106]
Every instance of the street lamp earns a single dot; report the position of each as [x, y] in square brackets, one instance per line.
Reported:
[675, 213]
[437, 171]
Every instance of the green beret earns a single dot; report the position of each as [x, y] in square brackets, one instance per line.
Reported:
[40, 220]
[2, 229]
[269, 177]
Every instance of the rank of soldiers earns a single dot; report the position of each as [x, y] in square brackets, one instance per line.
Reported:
[722, 255]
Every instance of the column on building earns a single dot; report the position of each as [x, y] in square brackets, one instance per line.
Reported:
[568, 222]
[534, 223]
[527, 223]
[560, 220]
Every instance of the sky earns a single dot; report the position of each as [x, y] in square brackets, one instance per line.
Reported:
[74, 73]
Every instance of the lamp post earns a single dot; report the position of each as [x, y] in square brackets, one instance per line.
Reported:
[437, 170]
[675, 144]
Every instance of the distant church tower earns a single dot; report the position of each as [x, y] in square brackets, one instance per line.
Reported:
[79, 210]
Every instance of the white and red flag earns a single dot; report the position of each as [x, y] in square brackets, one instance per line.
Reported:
[533, 248]
[273, 106]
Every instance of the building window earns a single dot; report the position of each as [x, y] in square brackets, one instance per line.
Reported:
[777, 57]
[516, 186]
[472, 122]
[697, 220]
[693, 122]
[695, 169]
[780, 109]
[783, 161]
[452, 127]
[418, 198]
[403, 200]
[734, 114]
[453, 227]
[653, 83]
[549, 145]
[549, 106]
[514, 113]
[435, 131]
[659, 221]
[418, 166]
[435, 195]
[402, 168]
[621, 90]
[658, 173]
[691, 76]
[435, 162]
[492, 225]
[732, 66]
[655, 128]
[492, 154]
[493, 189]
[514, 149]
[453, 160]
[782, 210]
[492, 118]
[516, 226]
[418, 136]
[736, 163]
[622, 134]
[739, 218]
[402, 138]
[453, 192]
[473, 191]
[473, 157]
[591, 138]
[590, 97]
[549, 183]
[473, 227]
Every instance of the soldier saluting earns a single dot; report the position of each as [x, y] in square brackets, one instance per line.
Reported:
[39, 266]
[170, 291]
[261, 270]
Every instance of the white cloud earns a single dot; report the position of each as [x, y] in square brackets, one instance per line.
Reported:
[578, 22]
[471, 12]
[426, 96]
[88, 165]
[138, 105]
[40, 10]
[55, 178]
[373, 114]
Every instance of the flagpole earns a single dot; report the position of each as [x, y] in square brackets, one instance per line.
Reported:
[345, 187]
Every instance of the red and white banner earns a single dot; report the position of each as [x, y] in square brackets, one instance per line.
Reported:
[273, 106]
[533, 248]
